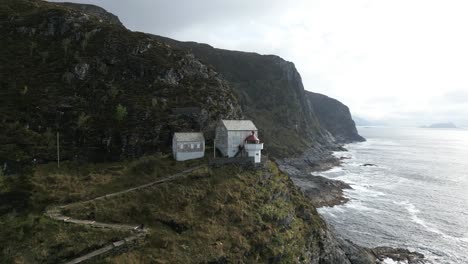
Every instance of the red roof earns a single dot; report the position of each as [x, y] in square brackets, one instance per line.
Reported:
[252, 139]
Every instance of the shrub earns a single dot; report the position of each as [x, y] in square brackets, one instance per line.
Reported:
[120, 112]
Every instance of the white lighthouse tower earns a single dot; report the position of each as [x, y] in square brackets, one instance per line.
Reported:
[253, 147]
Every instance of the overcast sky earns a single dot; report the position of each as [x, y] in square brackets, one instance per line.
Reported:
[404, 61]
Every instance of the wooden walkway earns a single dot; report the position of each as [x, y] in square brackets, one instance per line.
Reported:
[55, 213]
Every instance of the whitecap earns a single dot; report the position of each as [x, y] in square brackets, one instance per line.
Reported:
[367, 191]
[413, 212]
[391, 261]
[353, 164]
[334, 169]
[358, 206]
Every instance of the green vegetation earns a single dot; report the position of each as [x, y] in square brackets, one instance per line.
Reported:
[120, 112]
[75, 181]
[27, 236]
[227, 213]
[38, 239]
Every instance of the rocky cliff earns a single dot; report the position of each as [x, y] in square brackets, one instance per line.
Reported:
[334, 117]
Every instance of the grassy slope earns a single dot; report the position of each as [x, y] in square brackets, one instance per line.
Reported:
[74, 181]
[30, 237]
[227, 213]
[37, 239]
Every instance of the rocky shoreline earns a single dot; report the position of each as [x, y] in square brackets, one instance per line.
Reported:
[326, 192]
[320, 190]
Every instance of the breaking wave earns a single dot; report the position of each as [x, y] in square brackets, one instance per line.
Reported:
[414, 197]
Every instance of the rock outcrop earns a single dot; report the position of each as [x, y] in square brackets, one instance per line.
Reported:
[97, 11]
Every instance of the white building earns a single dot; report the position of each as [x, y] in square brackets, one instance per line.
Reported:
[231, 137]
[253, 147]
[186, 146]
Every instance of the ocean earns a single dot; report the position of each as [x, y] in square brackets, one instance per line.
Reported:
[415, 194]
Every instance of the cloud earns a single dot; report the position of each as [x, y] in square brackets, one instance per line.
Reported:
[166, 17]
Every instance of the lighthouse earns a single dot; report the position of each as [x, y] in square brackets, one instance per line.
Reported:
[253, 147]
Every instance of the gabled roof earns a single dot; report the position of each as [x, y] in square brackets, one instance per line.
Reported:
[239, 125]
[189, 136]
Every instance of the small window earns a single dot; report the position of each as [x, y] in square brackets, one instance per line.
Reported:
[181, 146]
[192, 146]
[198, 145]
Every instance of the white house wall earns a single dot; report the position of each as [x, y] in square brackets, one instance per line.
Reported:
[181, 156]
[222, 139]
[183, 150]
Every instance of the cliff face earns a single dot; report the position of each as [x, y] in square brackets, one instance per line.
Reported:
[109, 92]
[271, 93]
[335, 117]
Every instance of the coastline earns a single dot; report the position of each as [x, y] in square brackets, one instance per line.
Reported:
[324, 192]
[320, 190]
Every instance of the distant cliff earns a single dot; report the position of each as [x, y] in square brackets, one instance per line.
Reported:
[335, 117]
[441, 125]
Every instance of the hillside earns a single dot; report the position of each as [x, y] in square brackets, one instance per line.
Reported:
[115, 94]
[216, 215]
[109, 92]
[112, 98]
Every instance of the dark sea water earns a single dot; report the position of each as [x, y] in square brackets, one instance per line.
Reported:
[416, 196]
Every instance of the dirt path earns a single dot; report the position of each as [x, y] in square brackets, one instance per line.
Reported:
[55, 213]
